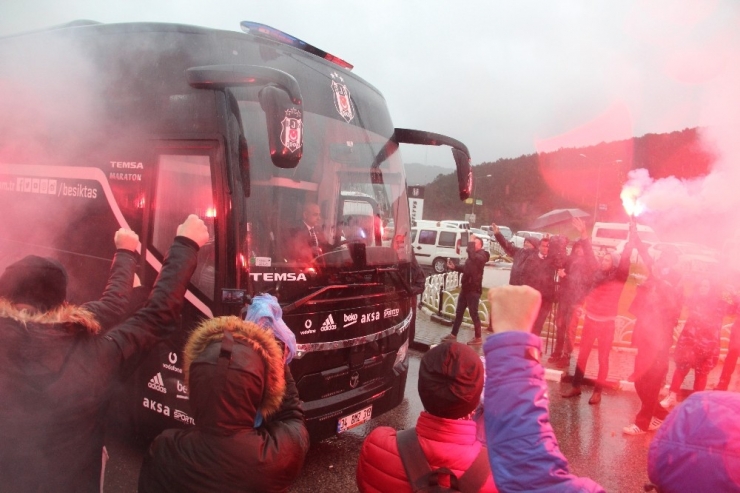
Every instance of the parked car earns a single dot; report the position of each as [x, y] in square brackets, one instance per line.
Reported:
[504, 230]
[433, 245]
[455, 224]
[611, 236]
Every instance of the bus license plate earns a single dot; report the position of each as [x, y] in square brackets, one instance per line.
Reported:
[355, 419]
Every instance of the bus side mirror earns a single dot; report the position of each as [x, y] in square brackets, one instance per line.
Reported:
[284, 126]
[464, 173]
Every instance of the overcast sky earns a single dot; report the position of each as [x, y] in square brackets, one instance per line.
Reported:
[505, 77]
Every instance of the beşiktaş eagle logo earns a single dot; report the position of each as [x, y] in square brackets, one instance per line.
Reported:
[328, 324]
[342, 100]
[292, 133]
[156, 383]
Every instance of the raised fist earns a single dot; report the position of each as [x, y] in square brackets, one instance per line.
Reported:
[195, 229]
[125, 239]
[513, 308]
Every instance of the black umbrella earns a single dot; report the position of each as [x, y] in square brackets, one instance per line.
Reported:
[557, 216]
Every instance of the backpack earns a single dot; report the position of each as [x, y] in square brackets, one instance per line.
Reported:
[423, 479]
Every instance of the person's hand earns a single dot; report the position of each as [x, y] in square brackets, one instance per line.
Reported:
[195, 229]
[125, 239]
[580, 226]
[450, 264]
[513, 308]
[561, 273]
[495, 228]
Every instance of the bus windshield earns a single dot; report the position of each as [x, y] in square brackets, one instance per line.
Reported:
[346, 191]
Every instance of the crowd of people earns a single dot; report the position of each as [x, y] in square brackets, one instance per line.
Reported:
[485, 424]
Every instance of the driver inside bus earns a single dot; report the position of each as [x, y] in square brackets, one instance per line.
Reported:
[306, 240]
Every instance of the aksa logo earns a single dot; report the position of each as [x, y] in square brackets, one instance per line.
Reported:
[350, 319]
[156, 383]
[156, 406]
[183, 417]
[391, 312]
[328, 324]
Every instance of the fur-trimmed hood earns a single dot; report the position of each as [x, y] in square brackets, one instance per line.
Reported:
[73, 318]
[255, 379]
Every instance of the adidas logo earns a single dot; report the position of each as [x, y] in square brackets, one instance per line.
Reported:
[156, 383]
[328, 324]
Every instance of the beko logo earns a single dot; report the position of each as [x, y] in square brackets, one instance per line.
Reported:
[391, 312]
[350, 319]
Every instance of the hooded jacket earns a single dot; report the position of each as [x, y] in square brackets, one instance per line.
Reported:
[57, 371]
[450, 443]
[233, 369]
[528, 269]
[698, 446]
[522, 447]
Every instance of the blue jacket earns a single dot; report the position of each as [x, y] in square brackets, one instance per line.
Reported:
[698, 446]
[522, 446]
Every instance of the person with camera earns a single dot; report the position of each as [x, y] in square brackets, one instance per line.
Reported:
[471, 289]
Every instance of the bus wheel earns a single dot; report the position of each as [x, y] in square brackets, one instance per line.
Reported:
[439, 265]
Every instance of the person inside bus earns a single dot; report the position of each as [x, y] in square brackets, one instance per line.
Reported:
[306, 240]
[250, 432]
[57, 368]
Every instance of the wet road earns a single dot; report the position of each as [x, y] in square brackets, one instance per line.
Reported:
[589, 436]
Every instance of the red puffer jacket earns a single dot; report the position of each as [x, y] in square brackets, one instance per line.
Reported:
[448, 443]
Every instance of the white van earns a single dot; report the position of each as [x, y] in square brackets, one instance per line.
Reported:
[433, 245]
[455, 224]
[609, 236]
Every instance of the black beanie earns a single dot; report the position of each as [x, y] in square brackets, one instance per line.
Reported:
[37, 281]
[450, 380]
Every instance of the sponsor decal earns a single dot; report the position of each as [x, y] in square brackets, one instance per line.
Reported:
[156, 383]
[307, 324]
[328, 324]
[391, 312]
[342, 100]
[370, 317]
[350, 319]
[263, 261]
[354, 380]
[291, 134]
[277, 276]
[183, 390]
[183, 417]
[126, 165]
[157, 407]
[172, 358]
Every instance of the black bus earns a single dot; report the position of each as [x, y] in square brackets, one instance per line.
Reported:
[140, 124]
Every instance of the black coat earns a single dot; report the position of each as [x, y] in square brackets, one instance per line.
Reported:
[56, 373]
[528, 269]
[472, 270]
[224, 451]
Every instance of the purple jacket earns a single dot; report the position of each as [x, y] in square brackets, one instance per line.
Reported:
[522, 446]
[698, 446]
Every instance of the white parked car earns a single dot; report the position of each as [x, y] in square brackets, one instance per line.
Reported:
[484, 236]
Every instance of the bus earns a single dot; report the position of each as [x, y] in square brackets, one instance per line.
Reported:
[137, 125]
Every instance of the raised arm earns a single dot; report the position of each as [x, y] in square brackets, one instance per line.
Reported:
[156, 319]
[522, 447]
[114, 303]
[508, 247]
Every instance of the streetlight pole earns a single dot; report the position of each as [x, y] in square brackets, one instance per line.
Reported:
[598, 184]
[472, 209]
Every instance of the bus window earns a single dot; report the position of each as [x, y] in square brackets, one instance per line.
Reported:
[184, 187]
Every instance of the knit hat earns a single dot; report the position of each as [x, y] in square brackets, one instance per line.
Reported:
[450, 380]
[37, 281]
